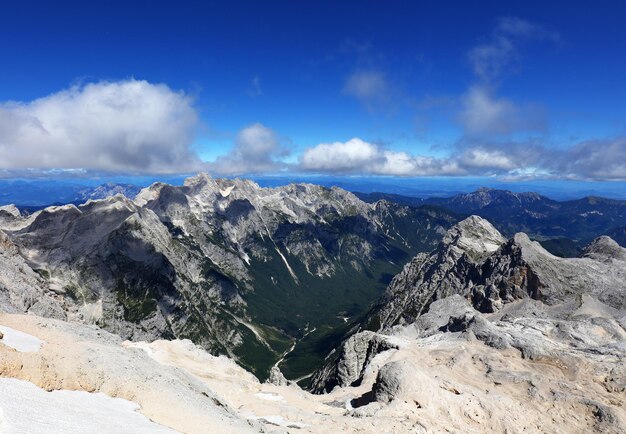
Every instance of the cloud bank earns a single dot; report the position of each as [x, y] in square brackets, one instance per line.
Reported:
[589, 160]
[257, 149]
[129, 126]
[357, 156]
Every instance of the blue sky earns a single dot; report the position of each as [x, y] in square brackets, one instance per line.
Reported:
[511, 90]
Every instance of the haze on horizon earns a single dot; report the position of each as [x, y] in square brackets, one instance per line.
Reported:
[487, 91]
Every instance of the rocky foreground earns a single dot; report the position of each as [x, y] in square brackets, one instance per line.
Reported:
[483, 334]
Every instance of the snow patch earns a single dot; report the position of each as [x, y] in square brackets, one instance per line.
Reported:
[226, 192]
[587, 214]
[293, 275]
[20, 341]
[26, 408]
[269, 396]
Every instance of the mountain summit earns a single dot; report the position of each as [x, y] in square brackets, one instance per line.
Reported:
[475, 261]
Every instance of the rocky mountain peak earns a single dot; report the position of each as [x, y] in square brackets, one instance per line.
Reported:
[205, 192]
[10, 217]
[11, 210]
[117, 201]
[604, 248]
[149, 193]
[109, 189]
[475, 236]
[528, 247]
[201, 178]
[476, 262]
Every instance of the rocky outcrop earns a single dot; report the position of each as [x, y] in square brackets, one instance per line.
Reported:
[452, 268]
[394, 379]
[276, 377]
[604, 249]
[21, 288]
[355, 355]
[477, 263]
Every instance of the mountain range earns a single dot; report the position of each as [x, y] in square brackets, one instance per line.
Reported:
[239, 269]
[562, 226]
[397, 316]
[264, 275]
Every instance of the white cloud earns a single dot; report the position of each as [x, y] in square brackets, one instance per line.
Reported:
[357, 156]
[371, 88]
[257, 149]
[129, 126]
[489, 159]
[352, 155]
[481, 112]
[361, 157]
[592, 159]
[490, 59]
[484, 113]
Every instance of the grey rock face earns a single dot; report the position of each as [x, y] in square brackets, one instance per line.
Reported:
[450, 269]
[186, 261]
[21, 288]
[276, 377]
[604, 249]
[392, 380]
[440, 314]
[475, 262]
[355, 354]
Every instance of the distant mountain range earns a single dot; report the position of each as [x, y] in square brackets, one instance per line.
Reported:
[564, 226]
[31, 197]
[239, 269]
[56, 189]
[107, 190]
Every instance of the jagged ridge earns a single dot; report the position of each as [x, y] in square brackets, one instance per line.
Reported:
[237, 268]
